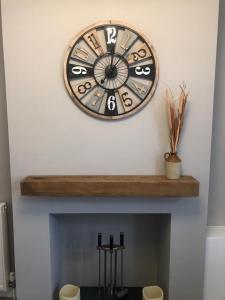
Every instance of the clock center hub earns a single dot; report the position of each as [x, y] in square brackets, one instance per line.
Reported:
[110, 72]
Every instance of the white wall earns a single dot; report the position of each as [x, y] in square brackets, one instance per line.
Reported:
[5, 184]
[49, 135]
[216, 213]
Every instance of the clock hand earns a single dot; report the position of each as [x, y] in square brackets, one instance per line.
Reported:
[112, 53]
[111, 65]
[122, 56]
[102, 80]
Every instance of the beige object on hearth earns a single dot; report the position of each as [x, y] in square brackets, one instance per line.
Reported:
[69, 292]
[152, 293]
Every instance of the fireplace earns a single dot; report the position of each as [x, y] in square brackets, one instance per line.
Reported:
[56, 241]
[145, 257]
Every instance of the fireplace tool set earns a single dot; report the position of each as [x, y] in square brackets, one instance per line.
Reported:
[109, 254]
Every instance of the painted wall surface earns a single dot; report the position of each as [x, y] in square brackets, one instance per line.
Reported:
[49, 135]
[216, 213]
[5, 182]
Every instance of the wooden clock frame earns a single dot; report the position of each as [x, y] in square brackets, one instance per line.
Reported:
[153, 56]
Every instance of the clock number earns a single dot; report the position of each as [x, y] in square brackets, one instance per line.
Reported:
[84, 87]
[111, 104]
[111, 35]
[127, 101]
[125, 41]
[99, 96]
[94, 41]
[140, 88]
[81, 53]
[142, 70]
[139, 54]
[79, 70]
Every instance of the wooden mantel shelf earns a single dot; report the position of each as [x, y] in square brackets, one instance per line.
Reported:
[146, 186]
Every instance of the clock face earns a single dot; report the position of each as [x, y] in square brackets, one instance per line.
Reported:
[110, 70]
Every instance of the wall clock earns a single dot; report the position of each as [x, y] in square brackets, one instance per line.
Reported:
[111, 70]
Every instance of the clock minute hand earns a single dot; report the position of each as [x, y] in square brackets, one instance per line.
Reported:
[112, 53]
[125, 52]
[121, 56]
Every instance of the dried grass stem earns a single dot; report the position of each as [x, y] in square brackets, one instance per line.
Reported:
[175, 113]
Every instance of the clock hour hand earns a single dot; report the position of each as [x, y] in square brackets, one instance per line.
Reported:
[103, 80]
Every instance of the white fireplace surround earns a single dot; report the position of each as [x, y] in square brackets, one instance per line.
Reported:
[38, 229]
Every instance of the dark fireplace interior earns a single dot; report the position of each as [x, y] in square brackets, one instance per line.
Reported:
[75, 257]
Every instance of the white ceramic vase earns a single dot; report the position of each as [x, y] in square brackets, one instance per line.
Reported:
[152, 293]
[69, 292]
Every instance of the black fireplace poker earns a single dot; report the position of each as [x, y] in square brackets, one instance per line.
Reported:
[111, 290]
[99, 264]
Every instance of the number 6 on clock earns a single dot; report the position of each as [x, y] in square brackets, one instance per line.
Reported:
[111, 104]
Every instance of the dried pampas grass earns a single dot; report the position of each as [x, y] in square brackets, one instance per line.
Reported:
[175, 112]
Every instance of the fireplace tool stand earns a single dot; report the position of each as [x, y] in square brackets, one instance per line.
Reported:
[110, 252]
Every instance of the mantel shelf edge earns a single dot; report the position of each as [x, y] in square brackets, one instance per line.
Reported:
[109, 185]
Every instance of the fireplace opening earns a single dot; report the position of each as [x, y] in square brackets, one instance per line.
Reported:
[75, 255]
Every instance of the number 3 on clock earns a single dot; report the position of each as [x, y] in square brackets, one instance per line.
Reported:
[142, 70]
